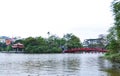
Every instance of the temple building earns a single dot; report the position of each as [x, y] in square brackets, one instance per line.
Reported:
[18, 47]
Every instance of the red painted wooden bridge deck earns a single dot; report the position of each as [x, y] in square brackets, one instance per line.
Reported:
[77, 50]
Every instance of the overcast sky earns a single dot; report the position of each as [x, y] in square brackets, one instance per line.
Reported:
[84, 18]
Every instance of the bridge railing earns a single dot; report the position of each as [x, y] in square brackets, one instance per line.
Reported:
[74, 50]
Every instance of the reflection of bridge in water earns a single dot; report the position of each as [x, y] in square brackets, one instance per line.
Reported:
[78, 50]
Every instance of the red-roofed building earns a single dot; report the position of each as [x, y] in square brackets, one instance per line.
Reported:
[18, 47]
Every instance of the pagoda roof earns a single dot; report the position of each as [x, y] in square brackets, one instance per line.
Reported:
[18, 45]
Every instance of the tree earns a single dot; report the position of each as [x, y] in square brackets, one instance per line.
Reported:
[2, 46]
[116, 12]
[40, 40]
[114, 32]
[30, 41]
[52, 44]
[72, 41]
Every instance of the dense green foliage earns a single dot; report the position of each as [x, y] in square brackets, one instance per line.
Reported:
[114, 35]
[52, 44]
[4, 47]
[114, 57]
[71, 41]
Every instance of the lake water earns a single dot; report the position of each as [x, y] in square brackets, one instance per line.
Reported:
[85, 64]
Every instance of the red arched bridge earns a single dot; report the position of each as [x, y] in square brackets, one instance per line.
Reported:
[77, 50]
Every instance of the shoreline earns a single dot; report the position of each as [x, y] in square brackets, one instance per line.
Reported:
[12, 52]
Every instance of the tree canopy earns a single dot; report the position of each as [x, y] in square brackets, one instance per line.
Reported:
[114, 32]
[52, 44]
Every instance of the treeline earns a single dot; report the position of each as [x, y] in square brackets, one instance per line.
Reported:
[52, 44]
[114, 34]
[4, 47]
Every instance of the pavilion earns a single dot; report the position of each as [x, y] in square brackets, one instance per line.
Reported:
[18, 47]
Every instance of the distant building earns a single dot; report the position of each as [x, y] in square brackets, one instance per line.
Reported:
[8, 40]
[18, 47]
[95, 43]
[3, 39]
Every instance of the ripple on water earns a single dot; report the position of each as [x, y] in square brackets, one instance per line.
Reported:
[55, 65]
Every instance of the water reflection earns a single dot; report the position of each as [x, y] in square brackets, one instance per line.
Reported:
[55, 65]
[113, 72]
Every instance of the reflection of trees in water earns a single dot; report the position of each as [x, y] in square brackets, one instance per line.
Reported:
[102, 63]
[71, 64]
[37, 66]
[113, 72]
[107, 67]
[31, 66]
[52, 66]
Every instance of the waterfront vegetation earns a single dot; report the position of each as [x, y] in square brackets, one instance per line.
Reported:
[114, 34]
[52, 44]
